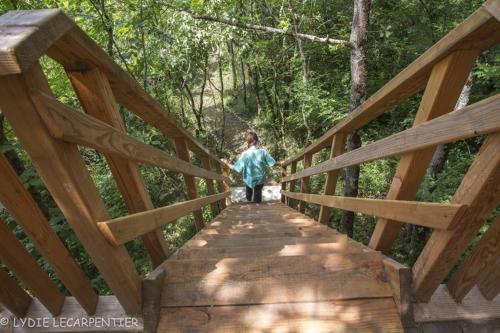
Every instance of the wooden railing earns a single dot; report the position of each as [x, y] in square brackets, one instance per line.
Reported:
[441, 72]
[51, 132]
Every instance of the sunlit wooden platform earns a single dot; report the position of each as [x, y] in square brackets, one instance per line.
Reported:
[268, 268]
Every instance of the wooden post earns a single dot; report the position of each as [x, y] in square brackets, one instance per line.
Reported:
[293, 169]
[443, 89]
[283, 184]
[189, 181]
[28, 215]
[214, 208]
[12, 296]
[489, 285]
[338, 143]
[220, 186]
[227, 185]
[479, 190]
[304, 182]
[65, 174]
[95, 95]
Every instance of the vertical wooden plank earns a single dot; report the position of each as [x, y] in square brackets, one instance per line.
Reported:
[304, 182]
[220, 186]
[489, 285]
[19, 261]
[96, 97]
[65, 174]
[293, 169]
[441, 94]
[227, 185]
[482, 257]
[28, 215]
[283, 184]
[480, 191]
[214, 208]
[189, 181]
[337, 148]
[13, 297]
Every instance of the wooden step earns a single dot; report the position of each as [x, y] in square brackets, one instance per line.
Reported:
[310, 278]
[249, 241]
[261, 229]
[373, 315]
[317, 232]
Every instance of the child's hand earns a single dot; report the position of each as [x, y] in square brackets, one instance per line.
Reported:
[224, 161]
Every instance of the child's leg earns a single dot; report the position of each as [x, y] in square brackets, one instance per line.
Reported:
[249, 193]
[257, 195]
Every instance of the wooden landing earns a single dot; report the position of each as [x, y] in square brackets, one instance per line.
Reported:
[267, 268]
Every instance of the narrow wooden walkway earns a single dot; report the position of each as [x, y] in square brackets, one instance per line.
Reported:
[268, 268]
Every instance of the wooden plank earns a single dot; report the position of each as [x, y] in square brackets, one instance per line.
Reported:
[120, 230]
[400, 279]
[427, 214]
[365, 315]
[13, 297]
[65, 174]
[214, 208]
[189, 183]
[220, 186]
[28, 215]
[480, 31]
[152, 287]
[226, 184]
[25, 35]
[478, 119]
[442, 307]
[480, 190]
[275, 241]
[493, 7]
[304, 182]
[276, 232]
[489, 283]
[337, 148]
[293, 170]
[283, 184]
[482, 258]
[441, 94]
[96, 97]
[69, 125]
[319, 277]
[19, 261]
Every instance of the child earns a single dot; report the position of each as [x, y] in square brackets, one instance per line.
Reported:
[252, 164]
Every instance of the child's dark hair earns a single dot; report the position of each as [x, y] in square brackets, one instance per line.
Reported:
[252, 138]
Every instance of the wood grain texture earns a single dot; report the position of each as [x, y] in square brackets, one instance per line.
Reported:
[480, 191]
[96, 97]
[18, 260]
[478, 119]
[28, 215]
[152, 286]
[12, 296]
[304, 182]
[440, 97]
[481, 259]
[214, 207]
[293, 170]
[489, 283]
[65, 174]
[428, 214]
[283, 184]
[120, 230]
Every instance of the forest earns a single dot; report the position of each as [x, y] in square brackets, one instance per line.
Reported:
[286, 69]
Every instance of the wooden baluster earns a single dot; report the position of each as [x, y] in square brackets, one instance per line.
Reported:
[12, 296]
[95, 94]
[28, 215]
[65, 174]
[293, 169]
[441, 94]
[480, 190]
[207, 164]
[220, 186]
[25, 267]
[338, 143]
[283, 184]
[489, 285]
[189, 181]
[227, 185]
[304, 182]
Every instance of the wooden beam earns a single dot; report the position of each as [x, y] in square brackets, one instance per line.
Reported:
[441, 94]
[427, 214]
[478, 119]
[120, 230]
[66, 124]
[293, 170]
[214, 208]
[489, 283]
[283, 184]
[220, 187]
[482, 258]
[227, 184]
[337, 148]
[65, 174]
[28, 215]
[190, 185]
[480, 191]
[19, 261]
[152, 286]
[304, 182]
[480, 31]
[13, 297]
[96, 97]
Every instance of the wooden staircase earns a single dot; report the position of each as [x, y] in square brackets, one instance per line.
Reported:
[267, 268]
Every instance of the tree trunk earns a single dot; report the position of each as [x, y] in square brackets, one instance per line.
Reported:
[108, 26]
[243, 83]
[230, 47]
[357, 96]
[221, 79]
[254, 76]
